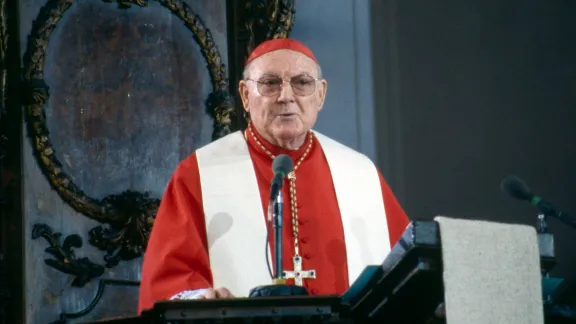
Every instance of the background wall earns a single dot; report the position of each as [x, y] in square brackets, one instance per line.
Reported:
[449, 97]
[470, 91]
[338, 32]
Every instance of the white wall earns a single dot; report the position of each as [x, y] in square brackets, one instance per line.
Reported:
[338, 32]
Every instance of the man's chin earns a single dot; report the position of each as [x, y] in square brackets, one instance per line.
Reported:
[288, 133]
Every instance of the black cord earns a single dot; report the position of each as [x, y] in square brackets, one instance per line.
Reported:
[566, 219]
[559, 310]
[266, 249]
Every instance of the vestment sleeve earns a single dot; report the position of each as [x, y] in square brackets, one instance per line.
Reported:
[176, 258]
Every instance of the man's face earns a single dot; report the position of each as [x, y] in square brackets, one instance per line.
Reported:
[283, 94]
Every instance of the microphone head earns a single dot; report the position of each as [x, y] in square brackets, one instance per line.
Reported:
[513, 186]
[282, 164]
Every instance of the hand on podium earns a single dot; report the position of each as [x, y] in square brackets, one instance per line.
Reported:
[219, 293]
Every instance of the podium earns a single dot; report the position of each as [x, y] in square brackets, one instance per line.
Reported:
[408, 287]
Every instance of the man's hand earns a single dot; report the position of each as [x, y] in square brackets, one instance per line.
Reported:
[219, 293]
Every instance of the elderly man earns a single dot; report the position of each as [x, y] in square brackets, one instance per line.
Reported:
[210, 235]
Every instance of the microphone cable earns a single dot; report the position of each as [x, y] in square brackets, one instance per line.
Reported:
[268, 225]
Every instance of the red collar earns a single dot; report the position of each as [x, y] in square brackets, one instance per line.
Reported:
[262, 146]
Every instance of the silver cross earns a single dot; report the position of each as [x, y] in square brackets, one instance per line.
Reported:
[298, 274]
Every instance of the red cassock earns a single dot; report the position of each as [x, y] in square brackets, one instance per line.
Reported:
[177, 257]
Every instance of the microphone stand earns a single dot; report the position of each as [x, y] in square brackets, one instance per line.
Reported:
[550, 284]
[548, 210]
[277, 224]
[279, 286]
[542, 226]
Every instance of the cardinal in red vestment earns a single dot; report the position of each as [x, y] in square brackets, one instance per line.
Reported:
[282, 91]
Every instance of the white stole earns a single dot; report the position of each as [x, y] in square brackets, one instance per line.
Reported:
[235, 222]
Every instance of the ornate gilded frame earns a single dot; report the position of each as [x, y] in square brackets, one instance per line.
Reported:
[129, 215]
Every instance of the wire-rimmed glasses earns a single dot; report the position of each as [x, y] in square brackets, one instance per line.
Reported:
[302, 85]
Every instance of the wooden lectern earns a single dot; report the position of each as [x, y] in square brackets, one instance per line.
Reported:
[408, 287]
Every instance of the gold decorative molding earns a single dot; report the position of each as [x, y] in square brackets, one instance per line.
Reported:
[128, 217]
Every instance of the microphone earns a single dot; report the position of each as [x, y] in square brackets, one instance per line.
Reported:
[282, 165]
[516, 188]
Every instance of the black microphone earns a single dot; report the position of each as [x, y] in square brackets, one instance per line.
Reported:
[281, 166]
[516, 188]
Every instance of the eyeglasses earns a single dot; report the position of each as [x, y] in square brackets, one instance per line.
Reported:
[302, 85]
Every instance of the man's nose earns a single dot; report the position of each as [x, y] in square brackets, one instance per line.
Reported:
[286, 92]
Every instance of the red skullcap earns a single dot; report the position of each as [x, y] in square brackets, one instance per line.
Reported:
[279, 44]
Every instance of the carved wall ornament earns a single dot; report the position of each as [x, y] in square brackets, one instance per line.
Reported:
[102, 283]
[65, 260]
[128, 216]
[268, 19]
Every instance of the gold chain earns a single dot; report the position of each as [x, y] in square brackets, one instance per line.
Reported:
[292, 180]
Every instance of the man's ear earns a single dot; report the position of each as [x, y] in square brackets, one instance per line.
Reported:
[243, 91]
[322, 89]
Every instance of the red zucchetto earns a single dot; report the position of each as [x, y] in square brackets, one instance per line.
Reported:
[279, 44]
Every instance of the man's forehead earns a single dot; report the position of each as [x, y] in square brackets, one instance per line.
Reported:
[284, 61]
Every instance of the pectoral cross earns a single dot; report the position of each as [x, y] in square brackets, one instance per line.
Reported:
[298, 274]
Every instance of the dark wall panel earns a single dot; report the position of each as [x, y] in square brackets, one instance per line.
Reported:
[470, 91]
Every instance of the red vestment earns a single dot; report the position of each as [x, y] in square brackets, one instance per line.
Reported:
[177, 256]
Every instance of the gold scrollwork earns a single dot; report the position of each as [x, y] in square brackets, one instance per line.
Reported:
[128, 217]
[268, 19]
